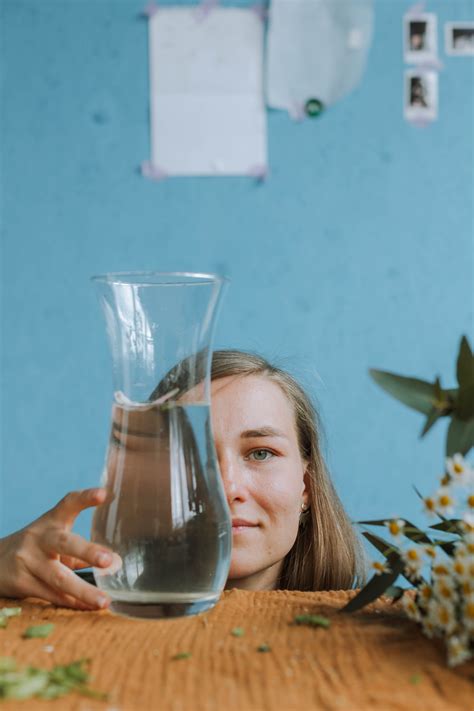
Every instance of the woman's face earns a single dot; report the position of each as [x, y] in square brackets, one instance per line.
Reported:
[262, 472]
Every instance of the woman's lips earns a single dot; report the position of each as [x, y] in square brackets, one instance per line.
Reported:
[240, 525]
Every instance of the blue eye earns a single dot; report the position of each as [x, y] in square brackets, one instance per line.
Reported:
[258, 452]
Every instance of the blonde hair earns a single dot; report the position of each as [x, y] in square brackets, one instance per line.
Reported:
[327, 553]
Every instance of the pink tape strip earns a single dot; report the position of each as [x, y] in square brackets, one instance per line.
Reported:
[153, 172]
[297, 111]
[259, 171]
[431, 64]
[416, 9]
[420, 122]
[261, 10]
[204, 8]
[150, 10]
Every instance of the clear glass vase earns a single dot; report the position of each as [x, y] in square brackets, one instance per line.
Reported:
[165, 517]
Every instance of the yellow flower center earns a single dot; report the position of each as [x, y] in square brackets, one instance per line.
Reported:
[440, 570]
[469, 610]
[444, 500]
[430, 504]
[413, 554]
[458, 468]
[394, 528]
[470, 501]
[444, 615]
[459, 567]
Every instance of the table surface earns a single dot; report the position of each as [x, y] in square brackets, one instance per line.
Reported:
[373, 659]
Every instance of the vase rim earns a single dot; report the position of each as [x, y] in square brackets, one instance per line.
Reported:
[151, 278]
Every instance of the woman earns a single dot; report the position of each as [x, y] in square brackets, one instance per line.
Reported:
[290, 530]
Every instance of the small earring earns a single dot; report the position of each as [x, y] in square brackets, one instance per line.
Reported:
[303, 507]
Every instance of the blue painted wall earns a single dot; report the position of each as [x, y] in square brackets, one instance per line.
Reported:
[357, 252]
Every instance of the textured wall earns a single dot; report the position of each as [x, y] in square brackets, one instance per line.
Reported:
[356, 253]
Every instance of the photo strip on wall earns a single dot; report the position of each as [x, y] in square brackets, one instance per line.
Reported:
[420, 48]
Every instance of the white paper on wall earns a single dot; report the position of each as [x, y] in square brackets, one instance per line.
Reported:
[317, 49]
[206, 93]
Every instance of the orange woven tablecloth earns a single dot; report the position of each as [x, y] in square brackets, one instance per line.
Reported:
[373, 659]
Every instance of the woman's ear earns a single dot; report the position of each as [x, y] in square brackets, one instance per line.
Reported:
[306, 492]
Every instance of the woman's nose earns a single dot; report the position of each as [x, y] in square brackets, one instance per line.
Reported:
[233, 479]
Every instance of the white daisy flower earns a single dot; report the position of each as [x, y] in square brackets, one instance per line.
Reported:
[443, 615]
[429, 551]
[463, 567]
[425, 593]
[395, 527]
[411, 608]
[458, 649]
[441, 568]
[445, 501]
[429, 506]
[429, 627]
[468, 613]
[467, 523]
[458, 469]
[445, 590]
[413, 560]
[380, 567]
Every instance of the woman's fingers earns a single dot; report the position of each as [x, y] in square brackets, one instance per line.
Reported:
[62, 580]
[73, 503]
[37, 588]
[67, 544]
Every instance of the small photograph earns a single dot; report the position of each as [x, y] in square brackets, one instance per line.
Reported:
[421, 95]
[459, 38]
[420, 33]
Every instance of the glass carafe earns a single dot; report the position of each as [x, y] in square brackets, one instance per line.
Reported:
[165, 517]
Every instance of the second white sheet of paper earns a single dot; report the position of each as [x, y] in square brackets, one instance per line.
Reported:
[317, 49]
[206, 92]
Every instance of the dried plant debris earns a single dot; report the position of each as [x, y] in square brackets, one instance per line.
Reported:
[30, 682]
[38, 631]
[238, 632]
[264, 648]
[312, 620]
[182, 655]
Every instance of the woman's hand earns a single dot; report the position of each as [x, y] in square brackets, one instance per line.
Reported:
[39, 560]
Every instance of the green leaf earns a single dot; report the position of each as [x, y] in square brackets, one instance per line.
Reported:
[38, 631]
[392, 553]
[417, 394]
[432, 418]
[7, 664]
[264, 648]
[448, 526]
[460, 436]
[381, 544]
[409, 530]
[464, 407]
[395, 592]
[182, 655]
[312, 620]
[238, 632]
[465, 364]
[10, 611]
[376, 586]
[3, 621]
[28, 684]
